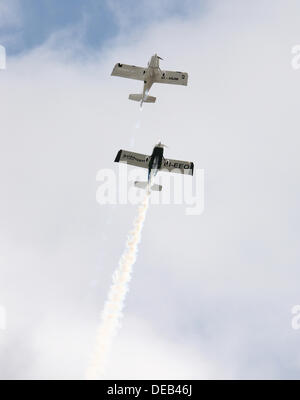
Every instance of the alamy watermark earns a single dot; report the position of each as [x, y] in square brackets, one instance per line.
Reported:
[2, 57]
[295, 62]
[296, 318]
[2, 318]
[180, 189]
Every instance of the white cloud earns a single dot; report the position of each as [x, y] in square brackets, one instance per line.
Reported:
[132, 13]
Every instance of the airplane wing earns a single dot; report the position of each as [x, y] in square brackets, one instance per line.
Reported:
[131, 158]
[172, 77]
[129, 71]
[180, 167]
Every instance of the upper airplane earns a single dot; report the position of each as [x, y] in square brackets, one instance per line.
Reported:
[154, 163]
[151, 74]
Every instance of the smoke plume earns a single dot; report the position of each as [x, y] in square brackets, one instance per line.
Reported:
[112, 312]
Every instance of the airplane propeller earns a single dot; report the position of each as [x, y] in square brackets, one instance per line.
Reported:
[162, 145]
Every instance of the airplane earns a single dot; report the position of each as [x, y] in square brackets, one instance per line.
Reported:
[151, 74]
[154, 163]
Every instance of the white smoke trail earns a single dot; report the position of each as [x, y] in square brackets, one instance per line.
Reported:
[112, 313]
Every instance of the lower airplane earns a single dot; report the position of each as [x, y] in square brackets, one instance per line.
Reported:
[149, 75]
[154, 163]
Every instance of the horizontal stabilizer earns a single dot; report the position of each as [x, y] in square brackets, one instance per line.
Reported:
[150, 99]
[156, 188]
[135, 97]
[141, 185]
[144, 185]
[139, 97]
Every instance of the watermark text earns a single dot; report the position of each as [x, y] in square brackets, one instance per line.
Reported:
[2, 57]
[127, 187]
[295, 62]
[2, 318]
[296, 318]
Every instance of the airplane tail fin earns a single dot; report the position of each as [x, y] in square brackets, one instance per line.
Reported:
[144, 185]
[139, 97]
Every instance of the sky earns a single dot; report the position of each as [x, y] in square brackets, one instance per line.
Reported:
[211, 294]
[26, 25]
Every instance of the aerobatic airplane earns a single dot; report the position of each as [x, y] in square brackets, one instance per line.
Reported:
[151, 74]
[154, 163]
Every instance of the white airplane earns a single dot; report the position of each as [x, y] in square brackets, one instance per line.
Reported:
[151, 74]
[154, 163]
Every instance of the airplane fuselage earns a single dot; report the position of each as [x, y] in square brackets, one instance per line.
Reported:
[155, 162]
[150, 73]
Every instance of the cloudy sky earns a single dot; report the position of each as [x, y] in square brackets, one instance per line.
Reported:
[211, 295]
